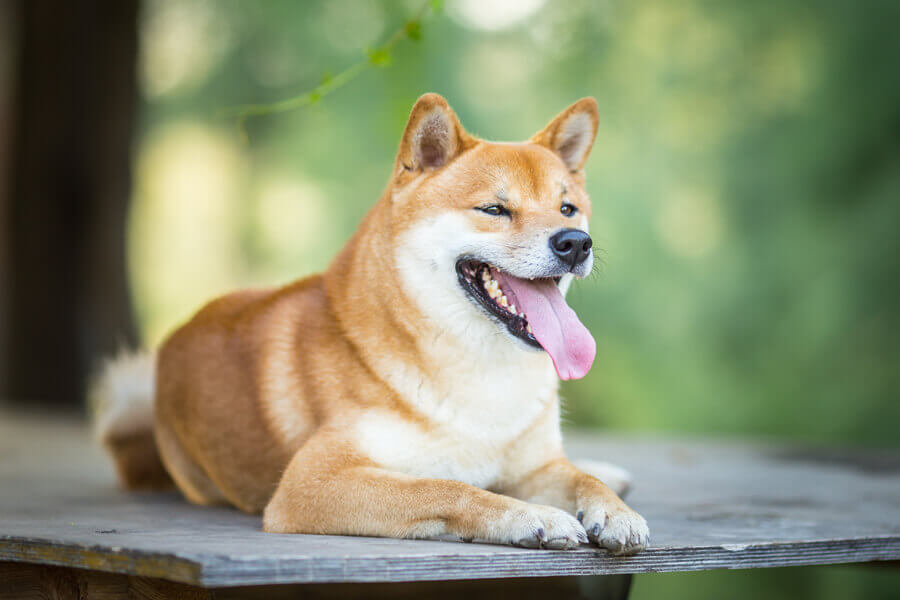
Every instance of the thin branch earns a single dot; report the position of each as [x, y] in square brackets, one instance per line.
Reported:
[379, 56]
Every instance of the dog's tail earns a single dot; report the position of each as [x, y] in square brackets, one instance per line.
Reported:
[121, 398]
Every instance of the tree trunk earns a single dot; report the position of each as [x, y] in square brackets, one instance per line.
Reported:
[67, 186]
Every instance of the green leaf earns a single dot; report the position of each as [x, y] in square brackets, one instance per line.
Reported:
[379, 57]
[437, 5]
[414, 30]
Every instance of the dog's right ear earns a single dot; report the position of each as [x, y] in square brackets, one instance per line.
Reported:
[433, 136]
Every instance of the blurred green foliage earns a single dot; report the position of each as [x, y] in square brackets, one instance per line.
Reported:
[745, 180]
[869, 582]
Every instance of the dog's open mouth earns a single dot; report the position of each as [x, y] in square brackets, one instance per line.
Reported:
[477, 279]
[532, 310]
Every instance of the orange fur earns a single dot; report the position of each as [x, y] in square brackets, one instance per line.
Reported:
[309, 402]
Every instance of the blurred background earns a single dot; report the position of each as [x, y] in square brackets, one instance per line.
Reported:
[745, 182]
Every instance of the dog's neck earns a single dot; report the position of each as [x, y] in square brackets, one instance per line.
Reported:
[363, 288]
[446, 376]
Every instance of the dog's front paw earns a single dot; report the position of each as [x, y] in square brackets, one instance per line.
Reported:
[618, 529]
[537, 526]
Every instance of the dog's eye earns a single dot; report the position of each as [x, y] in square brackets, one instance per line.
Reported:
[568, 209]
[494, 210]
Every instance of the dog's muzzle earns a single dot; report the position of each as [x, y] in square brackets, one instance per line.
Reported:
[571, 246]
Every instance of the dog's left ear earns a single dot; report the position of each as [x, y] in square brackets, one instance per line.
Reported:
[571, 134]
[433, 136]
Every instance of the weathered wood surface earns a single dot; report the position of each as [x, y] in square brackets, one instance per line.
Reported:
[709, 504]
[21, 581]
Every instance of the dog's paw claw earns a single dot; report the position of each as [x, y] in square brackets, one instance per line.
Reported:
[545, 527]
[622, 531]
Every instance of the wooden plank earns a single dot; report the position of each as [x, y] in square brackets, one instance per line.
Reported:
[710, 505]
[29, 581]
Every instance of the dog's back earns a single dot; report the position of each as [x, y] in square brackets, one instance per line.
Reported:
[199, 417]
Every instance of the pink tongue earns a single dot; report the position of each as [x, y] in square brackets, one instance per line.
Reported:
[555, 326]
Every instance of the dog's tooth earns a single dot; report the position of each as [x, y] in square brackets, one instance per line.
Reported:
[528, 329]
[503, 301]
[512, 309]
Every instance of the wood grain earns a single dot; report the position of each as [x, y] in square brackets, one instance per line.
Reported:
[710, 505]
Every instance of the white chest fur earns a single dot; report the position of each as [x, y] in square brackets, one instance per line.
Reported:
[475, 408]
[407, 448]
[489, 388]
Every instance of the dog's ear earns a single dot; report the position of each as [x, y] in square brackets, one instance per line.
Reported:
[433, 136]
[571, 134]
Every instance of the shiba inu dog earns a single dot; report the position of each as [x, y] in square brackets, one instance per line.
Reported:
[411, 389]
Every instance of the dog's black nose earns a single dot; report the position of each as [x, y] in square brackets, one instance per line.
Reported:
[572, 246]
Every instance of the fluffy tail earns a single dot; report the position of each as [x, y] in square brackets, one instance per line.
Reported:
[122, 406]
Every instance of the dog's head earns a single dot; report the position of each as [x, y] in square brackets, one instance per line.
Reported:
[489, 235]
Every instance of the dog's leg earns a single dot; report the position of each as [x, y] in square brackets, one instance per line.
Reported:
[615, 477]
[328, 489]
[609, 522]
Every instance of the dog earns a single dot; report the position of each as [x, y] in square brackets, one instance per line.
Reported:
[410, 390]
